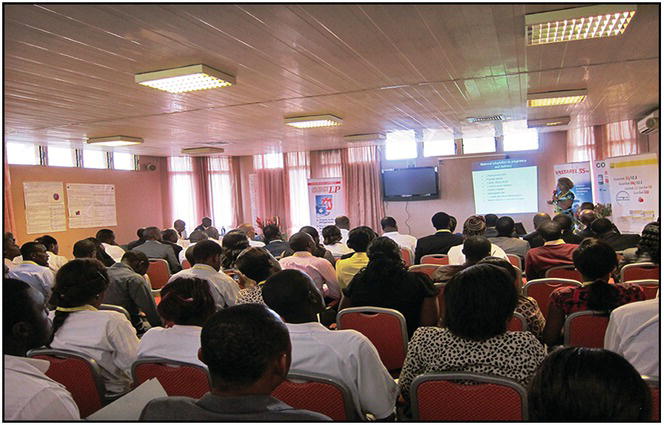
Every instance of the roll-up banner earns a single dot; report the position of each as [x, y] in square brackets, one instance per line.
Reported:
[326, 201]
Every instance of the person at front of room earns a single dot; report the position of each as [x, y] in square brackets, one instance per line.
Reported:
[205, 223]
[563, 197]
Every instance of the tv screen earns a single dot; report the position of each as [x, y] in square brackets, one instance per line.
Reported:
[410, 184]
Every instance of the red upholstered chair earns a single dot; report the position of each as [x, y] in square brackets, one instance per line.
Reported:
[639, 271]
[440, 259]
[186, 264]
[427, 269]
[442, 397]
[515, 260]
[653, 383]
[318, 393]
[407, 256]
[650, 287]
[159, 273]
[564, 272]
[385, 328]
[517, 323]
[586, 329]
[541, 289]
[177, 378]
[79, 374]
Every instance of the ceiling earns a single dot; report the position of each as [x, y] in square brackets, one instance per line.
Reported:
[69, 71]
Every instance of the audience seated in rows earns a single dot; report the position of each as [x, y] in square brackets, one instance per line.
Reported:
[441, 241]
[233, 243]
[186, 304]
[491, 220]
[576, 384]
[319, 250]
[346, 355]
[533, 238]
[170, 237]
[9, 249]
[127, 288]
[479, 302]
[29, 395]
[343, 223]
[555, 252]
[85, 248]
[348, 265]
[274, 240]
[474, 249]
[154, 249]
[473, 226]
[141, 239]
[605, 231]
[207, 266]
[332, 242]
[55, 261]
[106, 336]
[391, 230]
[248, 354]
[250, 233]
[255, 265]
[506, 240]
[586, 217]
[648, 248]
[595, 260]
[107, 239]
[213, 234]
[386, 282]
[567, 226]
[34, 270]
[205, 223]
[188, 252]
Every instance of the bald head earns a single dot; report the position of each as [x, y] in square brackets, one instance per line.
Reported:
[550, 231]
[587, 217]
[540, 218]
[248, 230]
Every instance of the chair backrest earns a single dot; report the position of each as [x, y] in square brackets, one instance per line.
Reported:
[186, 264]
[541, 289]
[440, 259]
[385, 328]
[159, 272]
[515, 260]
[318, 393]
[407, 256]
[639, 271]
[118, 308]
[177, 378]
[586, 329]
[653, 384]
[564, 272]
[427, 269]
[80, 374]
[650, 287]
[517, 323]
[445, 397]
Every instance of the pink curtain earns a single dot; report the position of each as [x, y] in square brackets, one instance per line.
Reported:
[236, 191]
[325, 163]
[588, 143]
[201, 187]
[361, 178]
[297, 169]
[10, 224]
[272, 195]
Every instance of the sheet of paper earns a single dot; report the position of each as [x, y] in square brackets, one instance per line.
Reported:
[91, 205]
[130, 406]
[44, 207]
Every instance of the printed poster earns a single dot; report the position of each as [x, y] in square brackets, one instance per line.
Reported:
[579, 173]
[91, 205]
[44, 207]
[326, 201]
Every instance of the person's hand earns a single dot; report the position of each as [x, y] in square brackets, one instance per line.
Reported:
[244, 281]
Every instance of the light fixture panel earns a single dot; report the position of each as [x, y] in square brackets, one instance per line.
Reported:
[367, 137]
[202, 151]
[556, 98]
[313, 121]
[185, 79]
[114, 141]
[548, 122]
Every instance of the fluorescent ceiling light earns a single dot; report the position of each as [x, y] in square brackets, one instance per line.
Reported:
[548, 122]
[579, 23]
[555, 98]
[114, 141]
[202, 151]
[370, 137]
[313, 121]
[185, 79]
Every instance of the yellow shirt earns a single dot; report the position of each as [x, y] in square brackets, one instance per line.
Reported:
[347, 268]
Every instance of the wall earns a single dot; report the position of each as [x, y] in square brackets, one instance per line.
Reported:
[139, 199]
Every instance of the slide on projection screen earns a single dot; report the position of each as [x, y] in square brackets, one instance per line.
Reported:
[505, 186]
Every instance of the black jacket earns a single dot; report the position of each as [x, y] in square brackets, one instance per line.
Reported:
[438, 243]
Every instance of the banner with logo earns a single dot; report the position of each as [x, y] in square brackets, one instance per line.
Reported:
[326, 201]
[579, 173]
[601, 186]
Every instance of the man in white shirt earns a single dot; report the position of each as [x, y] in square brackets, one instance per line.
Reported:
[29, 395]
[390, 230]
[34, 270]
[107, 238]
[343, 223]
[633, 332]
[345, 355]
[55, 261]
[207, 255]
[195, 237]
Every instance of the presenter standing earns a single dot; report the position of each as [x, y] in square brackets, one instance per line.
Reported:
[563, 198]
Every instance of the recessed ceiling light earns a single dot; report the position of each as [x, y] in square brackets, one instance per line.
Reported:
[114, 141]
[579, 23]
[555, 98]
[548, 122]
[185, 79]
[202, 151]
[313, 121]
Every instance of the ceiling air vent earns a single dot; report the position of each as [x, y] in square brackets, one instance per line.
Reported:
[499, 117]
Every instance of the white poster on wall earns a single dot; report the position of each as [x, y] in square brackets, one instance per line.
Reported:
[91, 205]
[44, 207]
[326, 201]
[601, 181]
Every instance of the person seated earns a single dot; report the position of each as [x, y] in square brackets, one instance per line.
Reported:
[475, 248]
[186, 304]
[127, 288]
[207, 266]
[479, 302]
[555, 251]
[170, 237]
[386, 282]
[78, 325]
[473, 226]
[595, 260]
[319, 250]
[506, 240]
[491, 220]
[567, 225]
[141, 239]
[605, 231]
[533, 238]
[332, 242]
[586, 217]
[391, 230]
[188, 252]
[107, 239]
[346, 355]
[274, 241]
[648, 248]
[154, 249]
[453, 225]
[85, 248]
[55, 261]
[233, 243]
[34, 270]
[29, 394]
[633, 332]
[441, 241]
[180, 228]
[205, 223]
[255, 265]
[343, 223]
[213, 234]
[9, 250]
[100, 253]
[318, 269]
[250, 233]
[248, 354]
[347, 267]
[571, 385]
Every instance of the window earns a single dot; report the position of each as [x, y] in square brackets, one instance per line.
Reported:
[438, 143]
[94, 159]
[219, 175]
[479, 144]
[269, 160]
[124, 161]
[60, 156]
[23, 153]
[400, 145]
[181, 178]
[518, 137]
[297, 169]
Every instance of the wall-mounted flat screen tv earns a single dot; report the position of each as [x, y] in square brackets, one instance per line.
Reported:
[410, 184]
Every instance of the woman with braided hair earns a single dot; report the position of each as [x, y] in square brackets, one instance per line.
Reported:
[106, 336]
